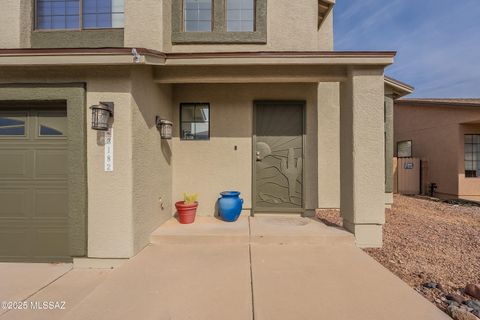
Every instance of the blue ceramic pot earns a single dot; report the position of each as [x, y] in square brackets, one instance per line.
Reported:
[230, 205]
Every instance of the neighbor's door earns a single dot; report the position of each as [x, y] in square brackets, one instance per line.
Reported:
[278, 157]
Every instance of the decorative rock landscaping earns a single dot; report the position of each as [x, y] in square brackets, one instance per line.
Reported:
[433, 246]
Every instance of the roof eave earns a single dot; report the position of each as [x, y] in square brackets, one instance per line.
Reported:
[126, 56]
[440, 103]
[401, 89]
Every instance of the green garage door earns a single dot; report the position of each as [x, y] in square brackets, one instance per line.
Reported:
[33, 184]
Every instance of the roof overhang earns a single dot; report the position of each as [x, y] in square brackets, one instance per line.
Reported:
[459, 103]
[132, 56]
[77, 56]
[398, 88]
[324, 9]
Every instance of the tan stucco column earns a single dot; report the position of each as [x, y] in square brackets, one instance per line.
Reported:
[328, 117]
[362, 149]
[110, 227]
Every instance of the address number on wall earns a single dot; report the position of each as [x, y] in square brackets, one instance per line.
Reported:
[109, 150]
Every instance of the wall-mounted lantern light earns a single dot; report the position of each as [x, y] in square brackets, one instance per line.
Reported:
[101, 114]
[165, 127]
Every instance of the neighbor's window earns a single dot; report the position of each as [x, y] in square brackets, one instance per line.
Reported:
[404, 149]
[240, 15]
[472, 155]
[195, 121]
[197, 15]
[79, 14]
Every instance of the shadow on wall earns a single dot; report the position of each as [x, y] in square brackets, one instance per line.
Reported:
[152, 105]
[166, 150]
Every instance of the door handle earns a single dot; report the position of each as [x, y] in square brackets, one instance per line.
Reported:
[258, 156]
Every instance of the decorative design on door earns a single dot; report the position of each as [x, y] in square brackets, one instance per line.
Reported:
[279, 156]
[292, 170]
[279, 172]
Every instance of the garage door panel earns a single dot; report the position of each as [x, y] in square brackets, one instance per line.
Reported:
[51, 164]
[34, 215]
[15, 203]
[50, 242]
[51, 203]
[14, 164]
[14, 242]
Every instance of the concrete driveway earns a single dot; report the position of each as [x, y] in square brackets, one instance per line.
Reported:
[263, 268]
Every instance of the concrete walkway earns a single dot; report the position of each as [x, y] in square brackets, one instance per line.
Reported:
[263, 268]
[20, 281]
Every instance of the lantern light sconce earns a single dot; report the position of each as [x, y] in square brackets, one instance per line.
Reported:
[165, 127]
[101, 114]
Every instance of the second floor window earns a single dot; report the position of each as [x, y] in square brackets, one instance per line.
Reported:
[197, 15]
[66, 14]
[240, 15]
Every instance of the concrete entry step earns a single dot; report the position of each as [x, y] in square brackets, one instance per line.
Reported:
[273, 229]
[205, 230]
[280, 229]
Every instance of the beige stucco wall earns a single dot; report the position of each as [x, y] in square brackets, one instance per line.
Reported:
[144, 24]
[290, 26]
[362, 151]
[328, 145]
[210, 167]
[110, 227]
[15, 23]
[151, 156]
[10, 24]
[124, 205]
[437, 137]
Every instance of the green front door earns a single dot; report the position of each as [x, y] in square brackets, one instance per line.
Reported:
[278, 157]
[33, 184]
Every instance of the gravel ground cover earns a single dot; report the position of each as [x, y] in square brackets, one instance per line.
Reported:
[432, 245]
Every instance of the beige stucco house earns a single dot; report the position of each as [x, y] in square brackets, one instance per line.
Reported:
[259, 101]
[445, 134]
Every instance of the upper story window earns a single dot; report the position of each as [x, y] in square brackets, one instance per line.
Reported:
[79, 14]
[197, 15]
[240, 15]
[219, 21]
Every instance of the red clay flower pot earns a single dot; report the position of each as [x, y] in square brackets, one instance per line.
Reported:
[186, 212]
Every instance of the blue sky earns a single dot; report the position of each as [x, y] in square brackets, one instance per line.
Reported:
[438, 41]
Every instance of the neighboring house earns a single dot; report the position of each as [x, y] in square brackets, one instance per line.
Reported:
[394, 90]
[445, 133]
[259, 101]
